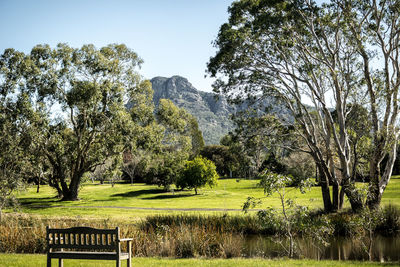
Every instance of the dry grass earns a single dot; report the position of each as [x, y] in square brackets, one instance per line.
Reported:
[26, 234]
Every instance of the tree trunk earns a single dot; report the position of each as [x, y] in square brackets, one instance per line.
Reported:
[373, 197]
[324, 184]
[39, 180]
[378, 184]
[353, 195]
[326, 197]
[54, 183]
[71, 195]
[341, 198]
[335, 196]
[195, 190]
[71, 192]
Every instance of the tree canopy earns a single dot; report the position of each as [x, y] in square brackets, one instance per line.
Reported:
[76, 97]
[197, 173]
[314, 59]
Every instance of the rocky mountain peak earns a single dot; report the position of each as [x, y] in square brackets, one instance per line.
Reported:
[212, 114]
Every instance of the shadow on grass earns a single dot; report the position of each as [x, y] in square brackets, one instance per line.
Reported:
[39, 200]
[139, 193]
[169, 196]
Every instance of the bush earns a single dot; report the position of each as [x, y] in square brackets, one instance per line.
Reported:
[198, 173]
[300, 166]
[390, 223]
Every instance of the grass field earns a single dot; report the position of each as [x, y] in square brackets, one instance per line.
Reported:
[36, 260]
[228, 194]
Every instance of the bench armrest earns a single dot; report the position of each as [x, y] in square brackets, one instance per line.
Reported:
[125, 239]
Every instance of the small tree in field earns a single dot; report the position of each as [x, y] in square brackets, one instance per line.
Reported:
[293, 218]
[198, 173]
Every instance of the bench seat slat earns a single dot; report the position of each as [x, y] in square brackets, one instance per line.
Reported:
[87, 255]
[79, 230]
[72, 246]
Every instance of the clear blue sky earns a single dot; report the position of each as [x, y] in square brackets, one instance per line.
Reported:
[173, 37]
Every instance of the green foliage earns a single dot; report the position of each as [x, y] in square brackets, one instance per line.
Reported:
[284, 50]
[258, 135]
[16, 138]
[300, 166]
[389, 225]
[198, 173]
[177, 137]
[225, 161]
[80, 94]
[292, 216]
[241, 165]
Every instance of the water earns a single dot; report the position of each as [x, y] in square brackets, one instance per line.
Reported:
[383, 248]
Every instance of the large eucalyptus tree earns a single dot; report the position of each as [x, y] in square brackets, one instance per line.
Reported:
[81, 96]
[316, 59]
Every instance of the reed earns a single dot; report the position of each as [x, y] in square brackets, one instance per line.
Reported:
[26, 234]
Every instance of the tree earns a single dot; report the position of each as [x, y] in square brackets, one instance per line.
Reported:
[176, 137]
[225, 161]
[297, 51]
[82, 94]
[259, 135]
[196, 136]
[132, 162]
[15, 139]
[10, 163]
[242, 162]
[198, 173]
[291, 214]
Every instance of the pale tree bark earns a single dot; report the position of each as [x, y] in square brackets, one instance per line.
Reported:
[381, 19]
[331, 56]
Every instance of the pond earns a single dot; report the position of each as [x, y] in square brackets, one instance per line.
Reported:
[339, 248]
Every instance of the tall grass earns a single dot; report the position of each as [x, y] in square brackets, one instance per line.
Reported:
[214, 223]
[184, 236]
[24, 234]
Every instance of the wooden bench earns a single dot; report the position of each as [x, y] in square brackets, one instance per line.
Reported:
[86, 243]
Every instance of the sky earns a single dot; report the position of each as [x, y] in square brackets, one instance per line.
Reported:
[173, 37]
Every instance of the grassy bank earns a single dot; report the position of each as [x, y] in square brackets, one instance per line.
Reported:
[228, 194]
[36, 260]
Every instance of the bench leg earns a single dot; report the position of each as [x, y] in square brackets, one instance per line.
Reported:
[48, 261]
[118, 263]
[60, 263]
[128, 262]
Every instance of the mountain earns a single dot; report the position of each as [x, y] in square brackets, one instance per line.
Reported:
[212, 115]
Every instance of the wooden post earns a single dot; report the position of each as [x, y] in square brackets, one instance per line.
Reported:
[48, 247]
[118, 249]
[129, 264]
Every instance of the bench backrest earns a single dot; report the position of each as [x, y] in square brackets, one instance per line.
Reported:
[85, 238]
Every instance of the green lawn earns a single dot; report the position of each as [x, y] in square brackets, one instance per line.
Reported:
[33, 260]
[229, 194]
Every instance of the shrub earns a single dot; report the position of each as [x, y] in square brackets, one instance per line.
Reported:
[345, 224]
[390, 223]
[198, 173]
